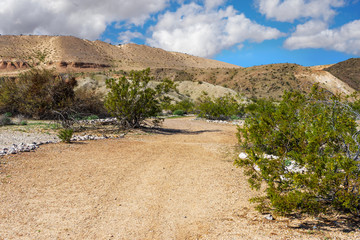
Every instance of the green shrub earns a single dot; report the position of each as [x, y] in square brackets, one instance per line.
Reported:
[179, 112]
[306, 149]
[65, 135]
[132, 101]
[23, 122]
[186, 105]
[221, 108]
[92, 117]
[8, 114]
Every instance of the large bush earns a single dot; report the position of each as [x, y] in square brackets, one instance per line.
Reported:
[221, 108]
[42, 94]
[306, 149]
[36, 94]
[131, 100]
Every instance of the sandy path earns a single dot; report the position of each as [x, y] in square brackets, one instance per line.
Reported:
[180, 184]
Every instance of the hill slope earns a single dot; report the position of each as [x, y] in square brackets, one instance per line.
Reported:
[71, 52]
[347, 71]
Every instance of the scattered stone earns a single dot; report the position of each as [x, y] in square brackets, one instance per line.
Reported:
[269, 217]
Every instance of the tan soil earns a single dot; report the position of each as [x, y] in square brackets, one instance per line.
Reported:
[178, 183]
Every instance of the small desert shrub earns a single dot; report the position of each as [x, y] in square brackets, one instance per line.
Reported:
[221, 108]
[65, 134]
[23, 122]
[186, 105]
[92, 117]
[179, 112]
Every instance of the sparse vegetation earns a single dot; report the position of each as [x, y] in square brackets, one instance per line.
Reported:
[65, 135]
[306, 150]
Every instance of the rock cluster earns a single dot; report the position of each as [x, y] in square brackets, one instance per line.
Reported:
[103, 121]
[23, 147]
[233, 122]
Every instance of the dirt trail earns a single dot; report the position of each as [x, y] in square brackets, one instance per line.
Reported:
[179, 183]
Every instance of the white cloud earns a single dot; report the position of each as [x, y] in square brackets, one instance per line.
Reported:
[290, 10]
[315, 34]
[211, 4]
[125, 37]
[199, 31]
[82, 18]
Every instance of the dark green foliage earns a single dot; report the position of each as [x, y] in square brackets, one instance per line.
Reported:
[179, 112]
[92, 117]
[221, 108]
[315, 159]
[65, 135]
[131, 100]
[186, 105]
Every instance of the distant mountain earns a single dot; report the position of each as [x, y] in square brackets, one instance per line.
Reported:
[348, 71]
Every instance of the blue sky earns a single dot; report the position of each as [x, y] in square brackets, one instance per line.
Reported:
[245, 33]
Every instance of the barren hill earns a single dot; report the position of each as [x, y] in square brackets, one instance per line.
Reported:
[347, 71]
[262, 81]
[64, 52]
[71, 54]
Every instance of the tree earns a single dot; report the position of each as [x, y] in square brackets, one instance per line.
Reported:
[131, 100]
[306, 149]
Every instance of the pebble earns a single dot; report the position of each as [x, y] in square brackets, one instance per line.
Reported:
[235, 122]
[28, 147]
[269, 217]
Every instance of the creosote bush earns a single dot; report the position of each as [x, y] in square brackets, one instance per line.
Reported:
[42, 94]
[306, 150]
[131, 100]
[221, 108]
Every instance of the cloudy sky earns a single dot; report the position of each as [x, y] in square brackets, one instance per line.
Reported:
[245, 33]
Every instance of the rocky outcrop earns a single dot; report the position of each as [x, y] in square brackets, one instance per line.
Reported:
[64, 64]
[13, 65]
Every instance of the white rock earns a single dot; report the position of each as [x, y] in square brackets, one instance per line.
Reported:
[243, 155]
[269, 217]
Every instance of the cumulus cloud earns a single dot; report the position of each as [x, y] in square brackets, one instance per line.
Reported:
[315, 34]
[125, 37]
[82, 18]
[211, 4]
[204, 32]
[290, 10]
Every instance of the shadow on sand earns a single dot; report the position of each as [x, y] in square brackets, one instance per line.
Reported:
[170, 131]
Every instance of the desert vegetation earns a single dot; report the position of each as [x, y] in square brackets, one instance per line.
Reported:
[306, 151]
